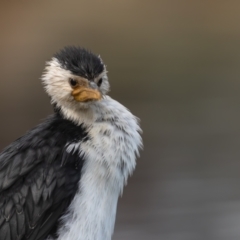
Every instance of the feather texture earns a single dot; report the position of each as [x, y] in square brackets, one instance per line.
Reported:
[38, 179]
[62, 180]
[110, 157]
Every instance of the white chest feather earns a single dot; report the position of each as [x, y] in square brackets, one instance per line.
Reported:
[110, 157]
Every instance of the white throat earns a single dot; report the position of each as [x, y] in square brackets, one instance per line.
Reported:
[110, 157]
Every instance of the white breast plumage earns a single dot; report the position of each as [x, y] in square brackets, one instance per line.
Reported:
[110, 157]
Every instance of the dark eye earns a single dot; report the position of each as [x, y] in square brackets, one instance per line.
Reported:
[72, 82]
[99, 82]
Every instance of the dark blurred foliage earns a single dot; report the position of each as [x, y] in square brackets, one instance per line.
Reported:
[175, 64]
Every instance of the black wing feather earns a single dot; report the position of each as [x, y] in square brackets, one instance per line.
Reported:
[38, 180]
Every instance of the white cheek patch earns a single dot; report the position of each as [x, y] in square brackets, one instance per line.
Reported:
[55, 81]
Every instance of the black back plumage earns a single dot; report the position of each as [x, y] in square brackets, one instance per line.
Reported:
[38, 179]
[80, 62]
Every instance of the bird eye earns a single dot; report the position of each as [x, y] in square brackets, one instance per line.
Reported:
[72, 82]
[99, 82]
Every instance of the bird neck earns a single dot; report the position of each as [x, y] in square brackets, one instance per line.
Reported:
[85, 116]
[109, 158]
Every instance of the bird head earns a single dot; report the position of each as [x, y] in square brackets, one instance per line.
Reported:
[75, 78]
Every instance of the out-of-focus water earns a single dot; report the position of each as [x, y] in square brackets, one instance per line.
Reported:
[175, 64]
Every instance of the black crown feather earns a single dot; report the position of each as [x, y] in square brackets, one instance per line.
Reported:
[80, 62]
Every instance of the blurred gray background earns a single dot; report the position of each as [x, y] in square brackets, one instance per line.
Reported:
[174, 64]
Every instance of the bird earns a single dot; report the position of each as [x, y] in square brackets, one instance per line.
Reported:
[63, 178]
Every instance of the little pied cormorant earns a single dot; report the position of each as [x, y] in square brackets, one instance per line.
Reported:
[63, 178]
